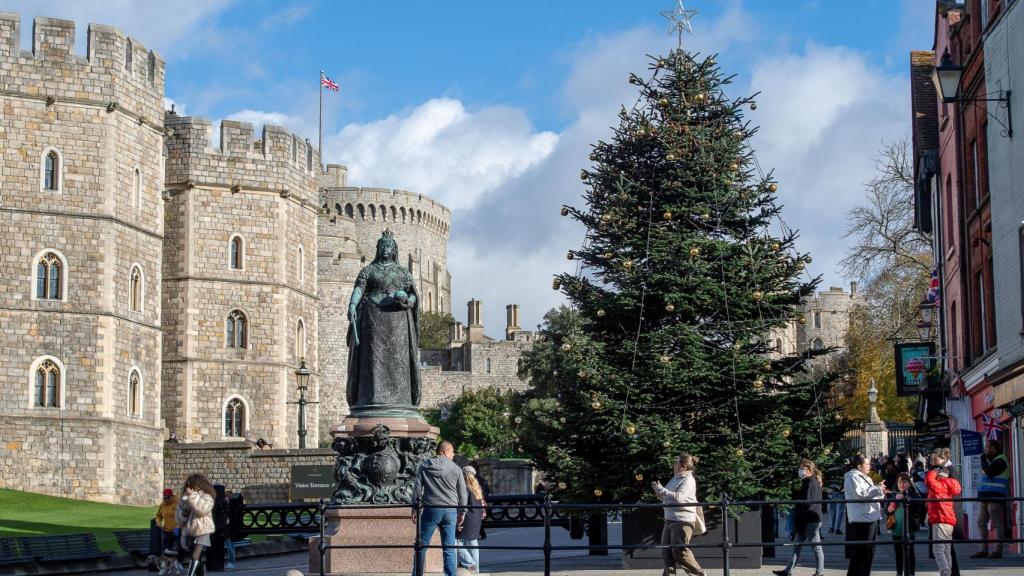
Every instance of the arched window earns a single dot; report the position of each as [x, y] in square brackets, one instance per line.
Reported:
[778, 345]
[394, 214]
[135, 289]
[362, 211]
[817, 344]
[237, 257]
[237, 330]
[234, 418]
[383, 212]
[137, 188]
[337, 208]
[52, 170]
[488, 365]
[300, 340]
[47, 389]
[373, 212]
[410, 263]
[49, 272]
[134, 393]
[302, 265]
[151, 69]
[129, 55]
[348, 211]
[419, 217]
[817, 319]
[430, 301]
[403, 214]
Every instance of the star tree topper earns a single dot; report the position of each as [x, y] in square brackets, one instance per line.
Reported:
[679, 20]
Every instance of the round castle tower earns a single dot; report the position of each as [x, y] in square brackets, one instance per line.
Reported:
[351, 221]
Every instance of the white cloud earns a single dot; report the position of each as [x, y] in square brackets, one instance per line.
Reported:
[259, 118]
[179, 107]
[441, 149]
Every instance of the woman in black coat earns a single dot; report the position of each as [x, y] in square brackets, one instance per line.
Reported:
[807, 518]
[470, 533]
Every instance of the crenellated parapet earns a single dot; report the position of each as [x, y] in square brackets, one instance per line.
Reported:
[117, 72]
[278, 161]
[385, 205]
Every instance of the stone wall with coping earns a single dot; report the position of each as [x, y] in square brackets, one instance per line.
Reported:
[259, 475]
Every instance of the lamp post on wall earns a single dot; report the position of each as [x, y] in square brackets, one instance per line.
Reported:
[946, 78]
[302, 379]
[926, 311]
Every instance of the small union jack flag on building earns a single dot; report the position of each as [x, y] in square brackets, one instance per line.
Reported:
[326, 82]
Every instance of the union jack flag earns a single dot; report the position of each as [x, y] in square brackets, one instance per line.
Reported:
[326, 82]
[933, 287]
[993, 429]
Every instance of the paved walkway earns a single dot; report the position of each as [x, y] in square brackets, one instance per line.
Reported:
[574, 562]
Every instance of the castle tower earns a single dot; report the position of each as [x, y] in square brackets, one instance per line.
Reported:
[350, 223]
[81, 236]
[240, 281]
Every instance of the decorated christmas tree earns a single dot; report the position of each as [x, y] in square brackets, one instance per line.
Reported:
[685, 279]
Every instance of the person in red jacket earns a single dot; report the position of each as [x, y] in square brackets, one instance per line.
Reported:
[940, 514]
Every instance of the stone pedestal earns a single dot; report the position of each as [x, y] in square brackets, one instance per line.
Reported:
[354, 527]
[876, 438]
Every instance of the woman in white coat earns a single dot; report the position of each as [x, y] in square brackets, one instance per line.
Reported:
[679, 520]
[862, 517]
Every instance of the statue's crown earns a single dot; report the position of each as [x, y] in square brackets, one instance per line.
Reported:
[387, 233]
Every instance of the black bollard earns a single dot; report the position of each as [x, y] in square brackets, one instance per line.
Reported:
[597, 533]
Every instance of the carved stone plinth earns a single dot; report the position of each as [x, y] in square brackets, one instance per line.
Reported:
[377, 458]
[353, 527]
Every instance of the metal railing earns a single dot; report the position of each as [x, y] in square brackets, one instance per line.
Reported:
[550, 510]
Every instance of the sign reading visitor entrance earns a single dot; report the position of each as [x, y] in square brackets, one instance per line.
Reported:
[913, 362]
[973, 442]
[311, 482]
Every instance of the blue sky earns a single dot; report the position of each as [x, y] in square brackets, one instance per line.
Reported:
[490, 106]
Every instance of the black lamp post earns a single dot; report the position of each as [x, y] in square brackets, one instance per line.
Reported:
[302, 378]
[946, 78]
[926, 310]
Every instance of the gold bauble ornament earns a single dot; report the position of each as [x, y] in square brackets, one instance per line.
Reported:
[828, 450]
[739, 452]
[736, 345]
[562, 420]
[569, 256]
[699, 97]
[566, 347]
[628, 265]
[564, 211]
[582, 373]
[663, 102]
[608, 255]
[670, 157]
[630, 429]
[600, 313]
[776, 246]
[595, 405]
[694, 252]
[662, 63]
[808, 259]
[665, 359]
[606, 218]
[641, 132]
[711, 61]
[734, 166]
[633, 79]
[556, 283]
[768, 366]
[753, 105]
[802, 319]
[519, 420]
[562, 485]
[666, 215]
[786, 432]
[584, 175]
[593, 157]
[705, 216]
[666, 444]
[757, 295]
[773, 188]
[639, 477]
[598, 492]
[758, 383]
[670, 308]
[800, 266]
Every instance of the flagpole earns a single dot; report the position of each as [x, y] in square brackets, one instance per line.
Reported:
[320, 142]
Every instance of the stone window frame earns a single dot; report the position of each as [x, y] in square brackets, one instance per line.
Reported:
[129, 56]
[136, 292]
[137, 186]
[246, 326]
[241, 251]
[61, 372]
[58, 172]
[300, 258]
[32, 270]
[488, 364]
[300, 340]
[224, 416]
[136, 372]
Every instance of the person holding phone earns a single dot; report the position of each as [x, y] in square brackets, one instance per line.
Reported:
[862, 517]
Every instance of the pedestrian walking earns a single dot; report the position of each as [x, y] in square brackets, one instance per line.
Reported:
[194, 517]
[469, 534]
[166, 519]
[681, 522]
[862, 517]
[903, 518]
[941, 515]
[807, 518]
[994, 486]
[441, 487]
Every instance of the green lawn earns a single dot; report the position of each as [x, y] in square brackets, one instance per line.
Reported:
[27, 514]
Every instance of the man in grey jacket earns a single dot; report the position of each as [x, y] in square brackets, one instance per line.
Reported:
[441, 487]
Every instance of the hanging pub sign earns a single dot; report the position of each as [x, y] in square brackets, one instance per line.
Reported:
[914, 361]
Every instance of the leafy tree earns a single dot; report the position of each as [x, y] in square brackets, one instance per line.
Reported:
[669, 348]
[434, 330]
[480, 423]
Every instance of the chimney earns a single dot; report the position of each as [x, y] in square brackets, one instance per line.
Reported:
[456, 332]
[511, 320]
[475, 320]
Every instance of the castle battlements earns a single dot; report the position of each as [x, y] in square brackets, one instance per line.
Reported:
[117, 71]
[386, 206]
[277, 161]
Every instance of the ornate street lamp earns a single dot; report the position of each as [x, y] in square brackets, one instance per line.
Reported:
[872, 398]
[302, 379]
[946, 78]
[926, 310]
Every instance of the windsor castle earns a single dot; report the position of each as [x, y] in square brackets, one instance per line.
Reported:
[155, 283]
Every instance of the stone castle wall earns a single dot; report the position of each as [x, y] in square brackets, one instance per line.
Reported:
[101, 114]
[263, 192]
[259, 475]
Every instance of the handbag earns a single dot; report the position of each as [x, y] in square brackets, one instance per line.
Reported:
[890, 521]
[699, 527]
